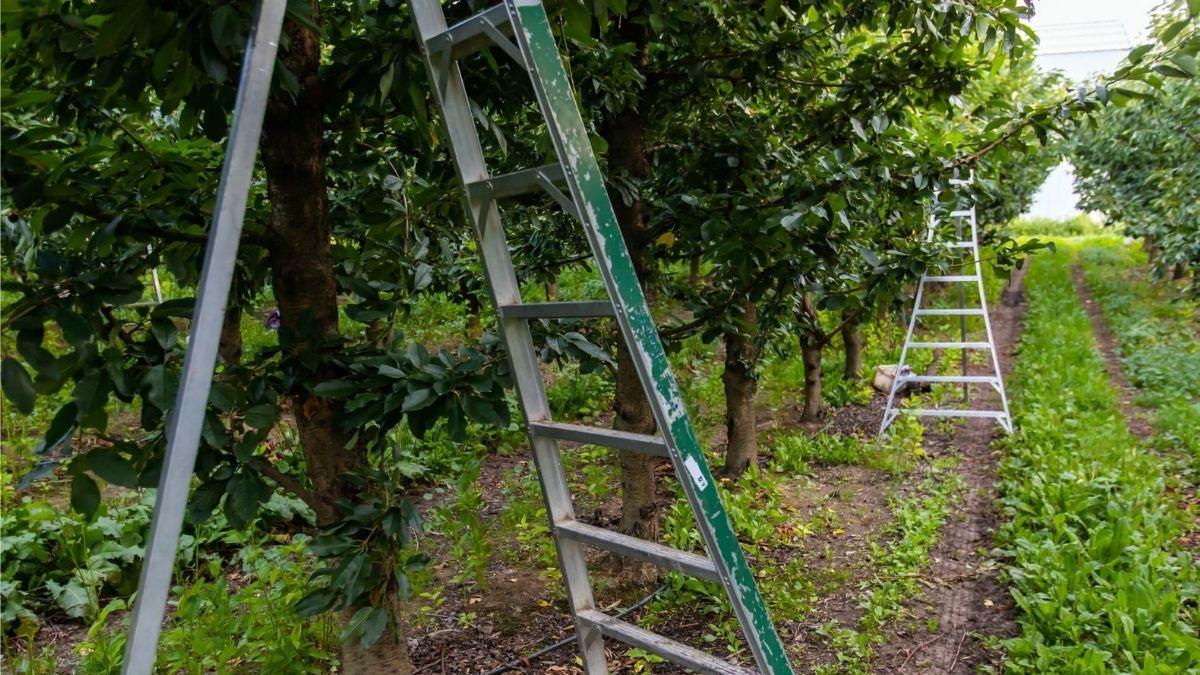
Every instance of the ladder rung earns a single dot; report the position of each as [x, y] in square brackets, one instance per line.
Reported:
[949, 412]
[471, 35]
[676, 652]
[960, 244]
[949, 312]
[609, 438]
[962, 214]
[950, 345]
[960, 379]
[517, 183]
[953, 278]
[641, 549]
[961, 181]
[557, 310]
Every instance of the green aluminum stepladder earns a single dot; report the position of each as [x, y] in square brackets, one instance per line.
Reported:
[534, 49]
[521, 29]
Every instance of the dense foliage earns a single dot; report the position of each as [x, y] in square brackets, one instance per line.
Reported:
[1138, 165]
[771, 167]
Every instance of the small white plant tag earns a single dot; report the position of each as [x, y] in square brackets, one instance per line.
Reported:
[697, 475]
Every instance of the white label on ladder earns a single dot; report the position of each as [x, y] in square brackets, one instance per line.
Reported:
[697, 475]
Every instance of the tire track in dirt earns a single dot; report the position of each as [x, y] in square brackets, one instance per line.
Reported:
[965, 602]
[1136, 417]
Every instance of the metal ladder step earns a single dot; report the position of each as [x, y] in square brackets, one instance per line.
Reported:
[473, 34]
[950, 345]
[950, 412]
[957, 379]
[675, 652]
[949, 312]
[965, 213]
[523, 182]
[641, 549]
[952, 278]
[585, 309]
[609, 438]
[960, 244]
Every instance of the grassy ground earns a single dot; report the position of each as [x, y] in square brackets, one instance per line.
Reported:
[1092, 559]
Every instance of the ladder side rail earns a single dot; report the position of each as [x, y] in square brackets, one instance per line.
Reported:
[962, 304]
[451, 96]
[637, 327]
[888, 417]
[187, 415]
[987, 324]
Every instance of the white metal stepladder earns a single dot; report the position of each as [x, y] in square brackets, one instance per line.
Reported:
[521, 29]
[959, 217]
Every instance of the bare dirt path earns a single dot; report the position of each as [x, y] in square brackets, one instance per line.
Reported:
[965, 602]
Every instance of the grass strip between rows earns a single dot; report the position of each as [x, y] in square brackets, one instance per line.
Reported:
[1089, 542]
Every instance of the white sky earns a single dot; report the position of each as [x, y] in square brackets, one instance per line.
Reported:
[1134, 15]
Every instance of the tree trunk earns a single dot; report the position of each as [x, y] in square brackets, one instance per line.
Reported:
[625, 133]
[552, 294]
[741, 384]
[694, 271]
[301, 258]
[230, 348]
[1179, 272]
[814, 405]
[852, 341]
[639, 506]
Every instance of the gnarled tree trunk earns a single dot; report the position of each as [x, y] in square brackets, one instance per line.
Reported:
[741, 384]
[300, 254]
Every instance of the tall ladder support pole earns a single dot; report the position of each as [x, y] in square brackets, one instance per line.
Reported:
[962, 304]
[465, 148]
[187, 415]
[1005, 421]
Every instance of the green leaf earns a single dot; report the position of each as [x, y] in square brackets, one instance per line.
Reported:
[335, 388]
[421, 398]
[72, 597]
[243, 495]
[330, 545]
[1186, 63]
[118, 28]
[315, 603]
[18, 386]
[164, 331]
[262, 416]
[75, 329]
[159, 384]
[385, 82]
[91, 392]
[109, 465]
[373, 627]
[1138, 53]
[85, 496]
[355, 626]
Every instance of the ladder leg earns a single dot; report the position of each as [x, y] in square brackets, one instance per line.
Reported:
[187, 415]
[987, 325]
[912, 324]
